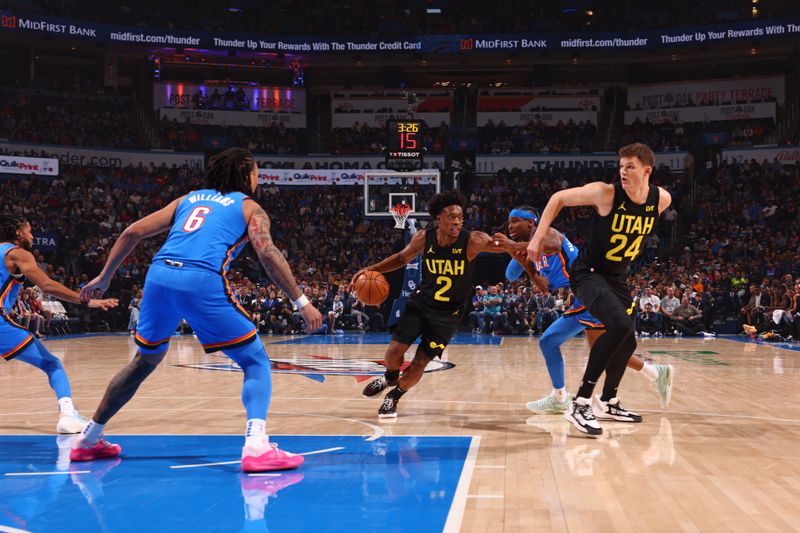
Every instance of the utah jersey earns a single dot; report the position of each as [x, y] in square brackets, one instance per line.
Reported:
[446, 272]
[208, 231]
[615, 240]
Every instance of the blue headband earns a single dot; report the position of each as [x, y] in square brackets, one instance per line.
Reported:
[521, 213]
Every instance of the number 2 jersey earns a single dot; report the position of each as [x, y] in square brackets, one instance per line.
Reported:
[446, 272]
[208, 231]
[615, 240]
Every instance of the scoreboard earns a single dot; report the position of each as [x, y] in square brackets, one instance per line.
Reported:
[404, 144]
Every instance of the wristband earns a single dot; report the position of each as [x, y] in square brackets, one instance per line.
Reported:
[301, 302]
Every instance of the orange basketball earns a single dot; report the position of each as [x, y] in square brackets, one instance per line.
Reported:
[371, 288]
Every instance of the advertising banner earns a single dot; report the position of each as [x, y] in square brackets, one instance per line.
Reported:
[548, 118]
[528, 104]
[786, 155]
[744, 31]
[68, 155]
[234, 118]
[706, 93]
[14, 164]
[702, 114]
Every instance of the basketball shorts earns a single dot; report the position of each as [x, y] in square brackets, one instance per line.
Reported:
[578, 312]
[435, 326]
[201, 297]
[590, 286]
[13, 337]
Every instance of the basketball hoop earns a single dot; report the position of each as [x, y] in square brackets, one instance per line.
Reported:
[400, 213]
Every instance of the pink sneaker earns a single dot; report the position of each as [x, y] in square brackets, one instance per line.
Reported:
[272, 459]
[101, 450]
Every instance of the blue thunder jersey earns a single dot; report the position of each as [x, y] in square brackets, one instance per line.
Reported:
[555, 267]
[9, 284]
[208, 231]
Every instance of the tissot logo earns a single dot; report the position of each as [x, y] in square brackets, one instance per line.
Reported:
[8, 22]
[316, 367]
[467, 44]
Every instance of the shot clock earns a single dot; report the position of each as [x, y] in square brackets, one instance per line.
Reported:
[404, 144]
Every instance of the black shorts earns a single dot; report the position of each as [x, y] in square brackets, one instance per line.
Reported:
[591, 286]
[436, 326]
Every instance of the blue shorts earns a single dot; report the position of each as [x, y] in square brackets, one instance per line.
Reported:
[201, 297]
[578, 311]
[13, 337]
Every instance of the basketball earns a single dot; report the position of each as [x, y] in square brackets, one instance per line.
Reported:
[372, 288]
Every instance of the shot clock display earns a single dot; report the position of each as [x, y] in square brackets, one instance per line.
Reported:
[404, 144]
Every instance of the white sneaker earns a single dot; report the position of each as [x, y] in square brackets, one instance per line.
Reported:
[580, 414]
[663, 383]
[708, 335]
[612, 410]
[549, 405]
[71, 424]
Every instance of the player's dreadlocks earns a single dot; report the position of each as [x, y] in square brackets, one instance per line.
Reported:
[9, 226]
[445, 199]
[229, 171]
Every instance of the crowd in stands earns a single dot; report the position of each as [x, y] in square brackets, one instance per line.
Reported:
[741, 230]
[49, 116]
[273, 139]
[676, 136]
[537, 137]
[309, 17]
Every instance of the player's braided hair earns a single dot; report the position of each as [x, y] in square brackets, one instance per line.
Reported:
[9, 226]
[446, 199]
[229, 171]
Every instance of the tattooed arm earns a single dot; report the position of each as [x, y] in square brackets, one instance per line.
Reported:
[258, 230]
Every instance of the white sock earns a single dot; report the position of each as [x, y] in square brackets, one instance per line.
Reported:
[255, 434]
[650, 371]
[65, 407]
[560, 394]
[93, 432]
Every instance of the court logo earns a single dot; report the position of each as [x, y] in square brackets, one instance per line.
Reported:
[8, 22]
[316, 367]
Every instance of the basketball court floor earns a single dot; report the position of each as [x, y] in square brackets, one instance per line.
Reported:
[463, 455]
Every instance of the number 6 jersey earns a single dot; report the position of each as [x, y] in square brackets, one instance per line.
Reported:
[208, 231]
[446, 272]
[616, 239]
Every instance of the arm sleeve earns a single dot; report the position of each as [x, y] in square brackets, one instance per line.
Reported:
[514, 270]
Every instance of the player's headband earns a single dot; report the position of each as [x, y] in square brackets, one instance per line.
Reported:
[521, 213]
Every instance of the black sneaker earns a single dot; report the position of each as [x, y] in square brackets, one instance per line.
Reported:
[388, 408]
[580, 414]
[612, 410]
[376, 386]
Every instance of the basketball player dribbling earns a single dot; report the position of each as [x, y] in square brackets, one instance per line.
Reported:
[624, 214]
[552, 272]
[187, 279]
[436, 309]
[18, 265]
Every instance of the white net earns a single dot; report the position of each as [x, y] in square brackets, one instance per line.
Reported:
[400, 213]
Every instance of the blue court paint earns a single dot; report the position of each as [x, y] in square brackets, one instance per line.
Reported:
[791, 345]
[390, 484]
[384, 338]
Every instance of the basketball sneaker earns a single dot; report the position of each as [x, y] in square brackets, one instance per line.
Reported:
[71, 424]
[613, 410]
[376, 386]
[663, 384]
[549, 405]
[388, 408]
[102, 450]
[580, 414]
[257, 460]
